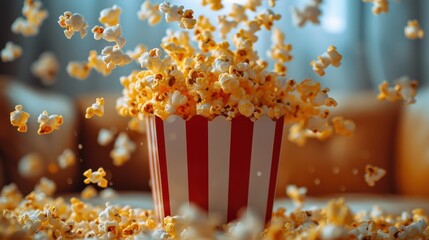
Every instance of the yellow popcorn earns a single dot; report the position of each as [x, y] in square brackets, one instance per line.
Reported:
[78, 70]
[245, 107]
[46, 186]
[31, 166]
[34, 16]
[267, 18]
[150, 12]
[272, 3]
[96, 62]
[373, 174]
[122, 149]
[105, 136]
[337, 212]
[73, 22]
[66, 159]
[296, 194]
[96, 177]
[310, 13]
[110, 34]
[343, 127]
[88, 192]
[23, 27]
[96, 108]
[19, 118]
[413, 30]
[10, 52]
[214, 4]
[175, 13]
[225, 26]
[175, 100]
[330, 57]
[46, 68]
[252, 4]
[405, 89]
[238, 13]
[110, 16]
[379, 6]
[113, 56]
[48, 123]
[152, 60]
[137, 52]
[228, 82]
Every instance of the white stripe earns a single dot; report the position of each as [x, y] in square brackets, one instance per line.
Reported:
[157, 171]
[177, 167]
[219, 145]
[260, 165]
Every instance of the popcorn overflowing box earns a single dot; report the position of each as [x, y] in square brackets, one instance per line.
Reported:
[221, 166]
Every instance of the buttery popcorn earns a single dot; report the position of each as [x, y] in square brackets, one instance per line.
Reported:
[19, 118]
[404, 89]
[96, 177]
[10, 52]
[66, 159]
[175, 13]
[310, 13]
[88, 192]
[96, 62]
[296, 194]
[73, 22]
[96, 108]
[373, 174]
[34, 16]
[110, 34]
[78, 70]
[113, 56]
[122, 149]
[343, 127]
[110, 16]
[105, 136]
[413, 30]
[149, 12]
[214, 4]
[137, 52]
[330, 57]
[45, 186]
[48, 123]
[31, 166]
[46, 68]
[379, 6]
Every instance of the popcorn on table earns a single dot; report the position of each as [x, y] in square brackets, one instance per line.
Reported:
[330, 57]
[46, 68]
[379, 6]
[310, 13]
[110, 34]
[175, 13]
[79, 70]
[114, 56]
[66, 159]
[19, 118]
[73, 22]
[404, 89]
[11, 52]
[31, 165]
[96, 108]
[48, 123]
[373, 174]
[96, 177]
[110, 16]
[413, 30]
[149, 12]
[122, 149]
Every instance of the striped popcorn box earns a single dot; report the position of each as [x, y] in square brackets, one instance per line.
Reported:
[221, 166]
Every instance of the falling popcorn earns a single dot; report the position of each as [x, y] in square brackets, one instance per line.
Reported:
[96, 177]
[19, 118]
[46, 68]
[413, 30]
[46, 186]
[96, 62]
[175, 13]
[379, 6]
[214, 4]
[31, 165]
[311, 12]
[405, 89]
[78, 70]
[96, 108]
[110, 16]
[48, 123]
[137, 52]
[88, 192]
[113, 56]
[110, 34]
[122, 150]
[373, 174]
[105, 136]
[73, 22]
[150, 12]
[296, 194]
[34, 16]
[225, 26]
[330, 57]
[343, 127]
[66, 159]
[11, 52]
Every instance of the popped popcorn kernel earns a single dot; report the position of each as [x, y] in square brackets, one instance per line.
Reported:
[31, 165]
[149, 12]
[110, 16]
[137, 52]
[23, 27]
[73, 22]
[48, 123]
[66, 159]
[96, 62]
[79, 70]
[11, 52]
[108, 193]
[413, 30]
[122, 150]
[96, 177]
[105, 136]
[175, 13]
[19, 118]
[114, 56]
[225, 26]
[404, 89]
[330, 57]
[46, 68]
[296, 194]
[110, 34]
[215, 5]
[46, 186]
[373, 174]
[88, 192]
[310, 13]
[379, 6]
[343, 127]
[34, 16]
[238, 13]
[96, 108]
[337, 212]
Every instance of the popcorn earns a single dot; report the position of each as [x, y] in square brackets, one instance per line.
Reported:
[19, 118]
[330, 57]
[110, 34]
[113, 56]
[413, 30]
[214, 4]
[88, 192]
[66, 159]
[79, 70]
[343, 127]
[267, 18]
[311, 12]
[96, 177]
[272, 3]
[296, 194]
[96, 108]
[122, 150]
[73, 22]
[238, 13]
[137, 52]
[48, 123]
[108, 193]
[337, 212]
[11, 52]
[373, 174]
[150, 12]
[23, 27]
[405, 89]
[152, 60]
[31, 166]
[379, 6]
[252, 4]
[96, 62]
[110, 16]
[46, 68]
[175, 13]
[46, 186]
[34, 17]
[225, 26]
[105, 136]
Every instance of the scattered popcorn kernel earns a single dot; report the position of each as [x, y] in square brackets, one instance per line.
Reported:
[88, 192]
[405, 89]
[175, 13]
[96, 62]
[137, 52]
[311, 12]
[149, 12]
[225, 26]
[110, 34]
[330, 57]
[46, 68]
[105, 136]
[96, 177]
[96, 108]
[10, 52]
[23, 27]
[296, 194]
[31, 166]
[122, 150]
[214, 4]
[48, 123]
[34, 16]
[373, 174]
[113, 56]
[19, 118]
[73, 22]
[379, 6]
[272, 3]
[413, 30]
[267, 18]
[238, 13]
[66, 159]
[79, 70]
[110, 16]
[46, 186]
[343, 127]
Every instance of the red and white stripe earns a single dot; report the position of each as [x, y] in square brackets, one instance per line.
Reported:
[221, 166]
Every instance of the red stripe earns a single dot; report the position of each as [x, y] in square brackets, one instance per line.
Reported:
[274, 167]
[159, 206]
[239, 165]
[151, 151]
[163, 165]
[198, 161]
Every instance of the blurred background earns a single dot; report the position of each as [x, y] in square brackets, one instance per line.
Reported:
[374, 49]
